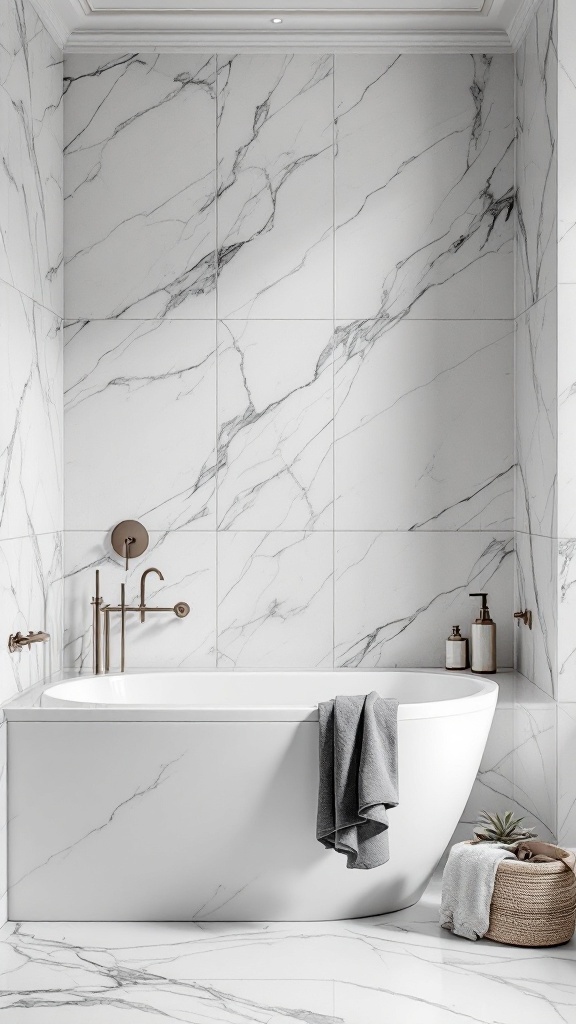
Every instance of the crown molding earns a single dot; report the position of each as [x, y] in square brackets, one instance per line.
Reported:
[194, 41]
[78, 28]
[521, 22]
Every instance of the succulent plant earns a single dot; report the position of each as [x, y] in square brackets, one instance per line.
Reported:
[493, 828]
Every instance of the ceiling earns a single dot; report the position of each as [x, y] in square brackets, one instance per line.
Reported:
[337, 25]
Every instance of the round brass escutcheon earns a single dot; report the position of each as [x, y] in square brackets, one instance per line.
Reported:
[129, 539]
[182, 609]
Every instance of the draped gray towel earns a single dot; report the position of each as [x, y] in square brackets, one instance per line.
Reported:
[358, 776]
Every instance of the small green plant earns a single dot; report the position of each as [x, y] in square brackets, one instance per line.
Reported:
[491, 828]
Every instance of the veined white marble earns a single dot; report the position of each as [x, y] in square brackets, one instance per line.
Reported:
[536, 66]
[31, 165]
[534, 756]
[187, 561]
[275, 424]
[140, 408]
[398, 594]
[424, 425]
[537, 418]
[567, 148]
[275, 174]
[494, 785]
[140, 151]
[566, 787]
[30, 417]
[424, 180]
[275, 599]
[30, 599]
[566, 605]
[566, 384]
[402, 967]
[535, 581]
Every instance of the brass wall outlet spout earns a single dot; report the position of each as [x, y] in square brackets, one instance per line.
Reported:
[181, 609]
[17, 642]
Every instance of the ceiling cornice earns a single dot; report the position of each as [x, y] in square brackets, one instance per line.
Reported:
[78, 28]
[348, 41]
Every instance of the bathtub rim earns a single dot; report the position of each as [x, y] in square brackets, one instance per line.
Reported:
[485, 697]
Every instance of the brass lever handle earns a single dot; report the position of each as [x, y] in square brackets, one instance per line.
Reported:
[16, 641]
[525, 616]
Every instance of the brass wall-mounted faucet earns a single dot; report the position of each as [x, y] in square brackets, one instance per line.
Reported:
[16, 641]
[99, 609]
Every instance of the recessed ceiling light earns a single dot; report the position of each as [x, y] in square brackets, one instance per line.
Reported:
[276, 21]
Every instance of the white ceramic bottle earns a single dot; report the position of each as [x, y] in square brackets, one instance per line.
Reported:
[456, 650]
[483, 639]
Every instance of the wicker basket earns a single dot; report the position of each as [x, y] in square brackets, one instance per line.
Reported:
[533, 904]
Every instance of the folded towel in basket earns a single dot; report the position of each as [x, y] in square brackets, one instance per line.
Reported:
[358, 776]
[468, 887]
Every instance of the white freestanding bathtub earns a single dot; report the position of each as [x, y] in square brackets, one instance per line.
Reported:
[192, 796]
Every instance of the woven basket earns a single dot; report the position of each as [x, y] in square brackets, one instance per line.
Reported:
[533, 904]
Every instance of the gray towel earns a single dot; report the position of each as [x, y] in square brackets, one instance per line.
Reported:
[468, 886]
[358, 776]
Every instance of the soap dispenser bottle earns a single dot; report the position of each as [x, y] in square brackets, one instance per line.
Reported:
[483, 639]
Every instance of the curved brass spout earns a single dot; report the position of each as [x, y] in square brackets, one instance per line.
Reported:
[143, 590]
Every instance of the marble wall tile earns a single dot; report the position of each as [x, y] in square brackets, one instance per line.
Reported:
[535, 584]
[30, 417]
[3, 820]
[275, 602]
[535, 765]
[424, 425]
[566, 612]
[188, 564]
[536, 159]
[566, 142]
[30, 599]
[566, 384]
[275, 424]
[140, 245]
[493, 789]
[537, 418]
[424, 186]
[31, 165]
[566, 778]
[398, 594]
[275, 173]
[140, 408]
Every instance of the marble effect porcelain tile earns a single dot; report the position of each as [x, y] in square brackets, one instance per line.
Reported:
[403, 967]
[31, 168]
[424, 425]
[275, 424]
[537, 418]
[534, 758]
[275, 600]
[566, 605]
[567, 142]
[30, 599]
[566, 781]
[535, 583]
[188, 563]
[397, 594]
[494, 785]
[536, 159]
[275, 170]
[30, 417]
[140, 408]
[424, 186]
[140, 245]
[566, 384]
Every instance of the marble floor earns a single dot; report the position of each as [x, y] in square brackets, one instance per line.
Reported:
[399, 969]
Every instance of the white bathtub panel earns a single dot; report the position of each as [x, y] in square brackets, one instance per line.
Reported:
[214, 821]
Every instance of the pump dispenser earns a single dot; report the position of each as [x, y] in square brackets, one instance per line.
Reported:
[483, 639]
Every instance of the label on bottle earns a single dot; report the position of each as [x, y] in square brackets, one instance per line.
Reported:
[456, 651]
